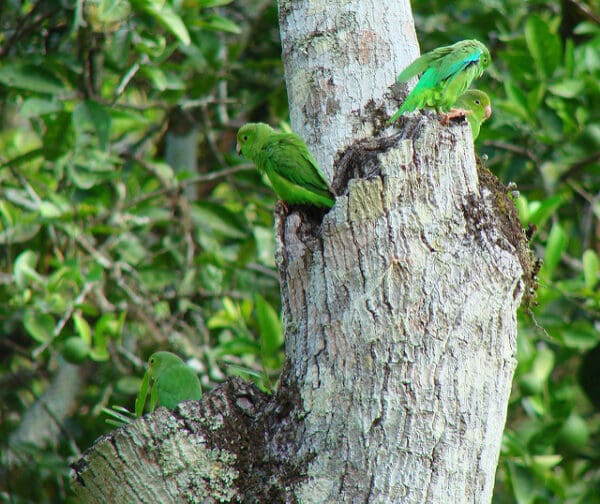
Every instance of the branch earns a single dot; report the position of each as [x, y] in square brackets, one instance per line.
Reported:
[199, 179]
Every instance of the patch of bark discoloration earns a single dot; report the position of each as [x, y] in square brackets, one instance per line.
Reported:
[505, 218]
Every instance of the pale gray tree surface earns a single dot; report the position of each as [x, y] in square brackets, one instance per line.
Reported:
[399, 308]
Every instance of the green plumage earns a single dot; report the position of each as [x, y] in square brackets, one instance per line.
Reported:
[478, 104]
[446, 73]
[285, 158]
[172, 382]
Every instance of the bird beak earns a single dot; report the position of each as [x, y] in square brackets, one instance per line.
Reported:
[488, 112]
[238, 148]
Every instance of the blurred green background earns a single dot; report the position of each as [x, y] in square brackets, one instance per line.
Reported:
[128, 224]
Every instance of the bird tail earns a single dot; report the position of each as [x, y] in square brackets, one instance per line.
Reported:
[411, 103]
[394, 118]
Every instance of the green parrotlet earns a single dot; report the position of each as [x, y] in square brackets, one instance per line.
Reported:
[284, 157]
[172, 382]
[478, 106]
[446, 73]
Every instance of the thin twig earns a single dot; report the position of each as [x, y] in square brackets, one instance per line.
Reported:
[259, 268]
[199, 179]
[579, 165]
[512, 148]
[38, 201]
[125, 81]
[586, 10]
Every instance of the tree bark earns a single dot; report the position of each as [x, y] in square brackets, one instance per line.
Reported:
[399, 308]
[340, 59]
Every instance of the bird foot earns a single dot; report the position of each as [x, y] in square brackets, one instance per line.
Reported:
[453, 114]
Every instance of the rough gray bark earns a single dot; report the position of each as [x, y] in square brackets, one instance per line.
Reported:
[399, 308]
[401, 325]
[340, 59]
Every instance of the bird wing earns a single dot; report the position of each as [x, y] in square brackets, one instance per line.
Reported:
[416, 67]
[289, 157]
[441, 64]
[452, 65]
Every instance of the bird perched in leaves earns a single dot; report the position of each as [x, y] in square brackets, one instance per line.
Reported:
[477, 106]
[446, 73]
[172, 382]
[285, 158]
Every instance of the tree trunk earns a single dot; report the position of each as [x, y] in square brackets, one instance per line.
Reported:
[399, 307]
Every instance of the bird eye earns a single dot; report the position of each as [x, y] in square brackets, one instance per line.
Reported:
[478, 102]
[245, 137]
[152, 361]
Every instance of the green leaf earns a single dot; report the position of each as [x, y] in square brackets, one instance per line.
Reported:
[30, 78]
[204, 4]
[545, 210]
[269, 325]
[19, 233]
[49, 210]
[128, 385]
[556, 244]
[35, 107]
[231, 309]
[523, 483]
[569, 57]
[40, 326]
[156, 76]
[535, 97]
[59, 136]
[91, 173]
[587, 28]
[91, 116]
[568, 88]
[166, 16]
[110, 11]
[544, 46]
[591, 265]
[219, 23]
[119, 416]
[24, 269]
[99, 351]
[109, 325]
[238, 346]
[219, 219]
[523, 208]
[130, 249]
[516, 104]
[83, 328]
[545, 462]
[543, 364]
[579, 335]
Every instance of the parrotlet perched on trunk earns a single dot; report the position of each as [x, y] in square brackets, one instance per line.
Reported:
[172, 382]
[478, 107]
[284, 157]
[446, 73]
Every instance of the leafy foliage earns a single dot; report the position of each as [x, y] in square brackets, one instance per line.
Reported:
[112, 246]
[128, 225]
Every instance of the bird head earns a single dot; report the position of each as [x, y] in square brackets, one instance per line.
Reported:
[483, 100]
[485, 57]
[477, 102]
[249, 135]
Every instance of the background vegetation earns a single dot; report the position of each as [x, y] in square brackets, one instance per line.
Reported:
[114, 243]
